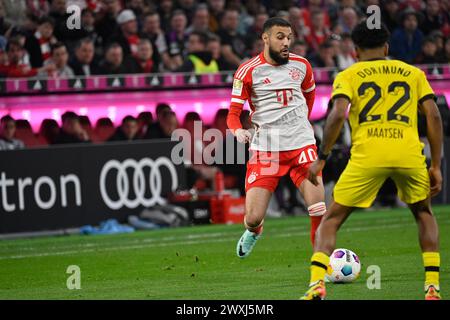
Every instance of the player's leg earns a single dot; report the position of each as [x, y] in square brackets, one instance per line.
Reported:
[261, 181]
[429, 243]
[314, 197]
[325, 243]
[357, 187]
[256, 203]
[413, 186]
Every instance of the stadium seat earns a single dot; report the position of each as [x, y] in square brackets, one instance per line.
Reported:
[25, 133]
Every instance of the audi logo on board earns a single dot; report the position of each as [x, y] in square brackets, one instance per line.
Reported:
[139, 182]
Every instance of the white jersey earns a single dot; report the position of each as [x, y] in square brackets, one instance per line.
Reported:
[279, 112]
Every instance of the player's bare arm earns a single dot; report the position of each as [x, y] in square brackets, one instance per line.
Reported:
[434, 135]
[333, 127]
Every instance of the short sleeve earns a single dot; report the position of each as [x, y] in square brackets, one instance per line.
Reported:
[342, 87]
[424, 90]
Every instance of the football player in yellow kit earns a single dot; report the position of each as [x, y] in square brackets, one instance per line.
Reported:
[384, 97]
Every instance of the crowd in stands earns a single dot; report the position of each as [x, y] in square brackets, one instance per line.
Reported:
[144, 36]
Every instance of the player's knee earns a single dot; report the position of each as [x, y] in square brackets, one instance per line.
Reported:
[317, 210]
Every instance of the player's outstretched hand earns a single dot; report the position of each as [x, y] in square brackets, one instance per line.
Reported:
[314, 169]
[242, 135]
[435, 181]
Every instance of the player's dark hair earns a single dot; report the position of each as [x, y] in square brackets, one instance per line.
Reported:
[275, 21]
[366, 38]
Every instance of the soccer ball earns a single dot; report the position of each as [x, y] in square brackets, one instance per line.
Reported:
[344, 266]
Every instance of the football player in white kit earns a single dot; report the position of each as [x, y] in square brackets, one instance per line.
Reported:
[280, 89]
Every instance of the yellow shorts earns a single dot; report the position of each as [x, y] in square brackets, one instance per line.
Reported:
[358, 186]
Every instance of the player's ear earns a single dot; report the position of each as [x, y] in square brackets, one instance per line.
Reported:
[265, 37]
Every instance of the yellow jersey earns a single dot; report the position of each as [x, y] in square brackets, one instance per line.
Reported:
[384, 97]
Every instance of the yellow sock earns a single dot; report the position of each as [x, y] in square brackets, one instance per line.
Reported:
[319, 265]
[432, 262]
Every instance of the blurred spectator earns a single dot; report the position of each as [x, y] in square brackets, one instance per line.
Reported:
[429, 52]
[49, 130]
[234, 48]
[104, 129]
[434, 18]
[87, 30]
[199, 60]
[347, 56]
[168, 124]
[127, 131]
[86, 125]
[255, 31]
[39, 44]
[348, 19]
[59, 15]
[439, 39]
[139, 8]
[295, 18]
[300, 48]
[188, 6]
[7, 132]
[325, 58]
[216, 7]
[83, 63]
[14, 67]
[71, 130]
[200, 20]
[60, 58]
[114, 62]
[127, 37]
[144, 120]
[214, 46]
[15, 12]
[406, 41]
[4, 26]
[155, 130]
[152, 30]
[106, 25]
[177, 38]
[143, 60]
[165, 9]
[319, 31]
[447, 50]
[257, 47]
[389, 14]
[38, 8]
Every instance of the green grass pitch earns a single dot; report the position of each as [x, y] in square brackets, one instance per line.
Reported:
[200, 262]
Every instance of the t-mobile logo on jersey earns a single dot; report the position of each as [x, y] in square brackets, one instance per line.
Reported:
[285, 96]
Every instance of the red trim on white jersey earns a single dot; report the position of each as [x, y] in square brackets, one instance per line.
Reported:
[243, 69]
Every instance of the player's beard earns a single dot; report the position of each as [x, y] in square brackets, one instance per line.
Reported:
[276, 56]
